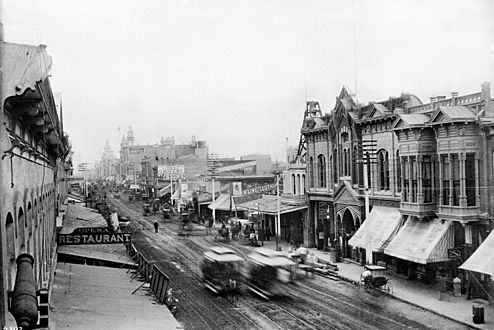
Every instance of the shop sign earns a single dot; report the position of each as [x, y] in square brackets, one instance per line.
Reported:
[454, 253]
[93, 235]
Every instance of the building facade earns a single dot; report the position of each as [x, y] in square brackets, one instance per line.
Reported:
[33, 173]
[386, 176]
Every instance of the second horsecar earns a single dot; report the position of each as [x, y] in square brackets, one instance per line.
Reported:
[267, 272]
[219, 265]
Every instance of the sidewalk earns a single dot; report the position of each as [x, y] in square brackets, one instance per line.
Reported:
[416, 293]
[95, 297]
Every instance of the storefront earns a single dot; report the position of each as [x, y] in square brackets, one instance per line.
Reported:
[380, 227]
[480, 270]
[292, 217]
[420, 248]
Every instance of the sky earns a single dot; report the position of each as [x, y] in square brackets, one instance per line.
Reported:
[236, 73]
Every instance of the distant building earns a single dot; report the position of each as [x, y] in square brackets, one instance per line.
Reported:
[108, 166]
[166, 152]
[263, 162]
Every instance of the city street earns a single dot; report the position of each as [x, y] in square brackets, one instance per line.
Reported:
[313, 303]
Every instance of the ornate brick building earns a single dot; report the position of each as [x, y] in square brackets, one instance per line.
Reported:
[428, 169]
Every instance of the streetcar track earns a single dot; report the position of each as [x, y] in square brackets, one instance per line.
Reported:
[319, 308]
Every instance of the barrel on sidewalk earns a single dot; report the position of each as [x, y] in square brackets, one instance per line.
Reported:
[478, 313]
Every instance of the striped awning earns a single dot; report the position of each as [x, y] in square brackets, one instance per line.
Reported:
[422, 241]
[378, 229]
[482, 260]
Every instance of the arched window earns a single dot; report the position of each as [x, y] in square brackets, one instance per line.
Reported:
[331, 169]
[345, 162]
[9, 228]
[383, 169]
[311, 172]
[321, 164]
[344, 137]
[354, 165]
[369, 176]
[22, 230]
[335, 166]
[303, 184]
[294, 185]
[298, 190]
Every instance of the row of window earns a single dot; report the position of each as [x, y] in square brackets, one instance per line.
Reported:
[409, 167]
[348, 166]
[31, 232]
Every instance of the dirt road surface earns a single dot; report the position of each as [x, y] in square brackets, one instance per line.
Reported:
[312, 303]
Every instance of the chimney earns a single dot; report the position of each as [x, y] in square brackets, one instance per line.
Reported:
[486, 97]
[433, 99]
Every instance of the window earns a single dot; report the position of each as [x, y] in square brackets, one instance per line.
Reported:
[294, 185]
[354, 165]
[331, 173]
[398, 172]
[413, 178]
[383, 169]
[427, 179]
[344, 137]
[335, 166]
[321, 164]
[369, 176]
[455, 162]
[470, 176]
[446, 177]
[345, 162]
[311, 172]
[406, 180]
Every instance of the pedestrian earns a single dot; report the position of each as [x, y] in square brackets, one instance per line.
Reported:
[156, 226]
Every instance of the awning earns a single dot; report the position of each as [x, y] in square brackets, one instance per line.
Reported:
[482, 260]
[269, 205]
[378, 229]
[223, 203]
[163, 191]
[422, 241]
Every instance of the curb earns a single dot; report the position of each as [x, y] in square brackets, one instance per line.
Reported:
[346, 279]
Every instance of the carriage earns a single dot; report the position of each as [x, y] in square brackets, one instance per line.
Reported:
[267, 271]
[146, 209]
[219, 266]
[373, 278]
[222, 233]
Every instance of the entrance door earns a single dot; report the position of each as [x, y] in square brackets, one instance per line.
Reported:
[347, 233]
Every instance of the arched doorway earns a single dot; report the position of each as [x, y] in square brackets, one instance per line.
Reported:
[348, 229]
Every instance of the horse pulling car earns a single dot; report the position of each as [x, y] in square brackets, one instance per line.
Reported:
[267, 272]
[219, 267]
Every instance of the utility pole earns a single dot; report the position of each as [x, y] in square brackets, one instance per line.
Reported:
[366, 155]
[278, 219]
[211, 163]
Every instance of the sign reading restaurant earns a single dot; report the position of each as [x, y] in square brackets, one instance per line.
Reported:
[93, 235]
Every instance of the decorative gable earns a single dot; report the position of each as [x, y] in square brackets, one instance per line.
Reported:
[346, 195]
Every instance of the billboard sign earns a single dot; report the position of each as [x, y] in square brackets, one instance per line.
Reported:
[171, 172]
